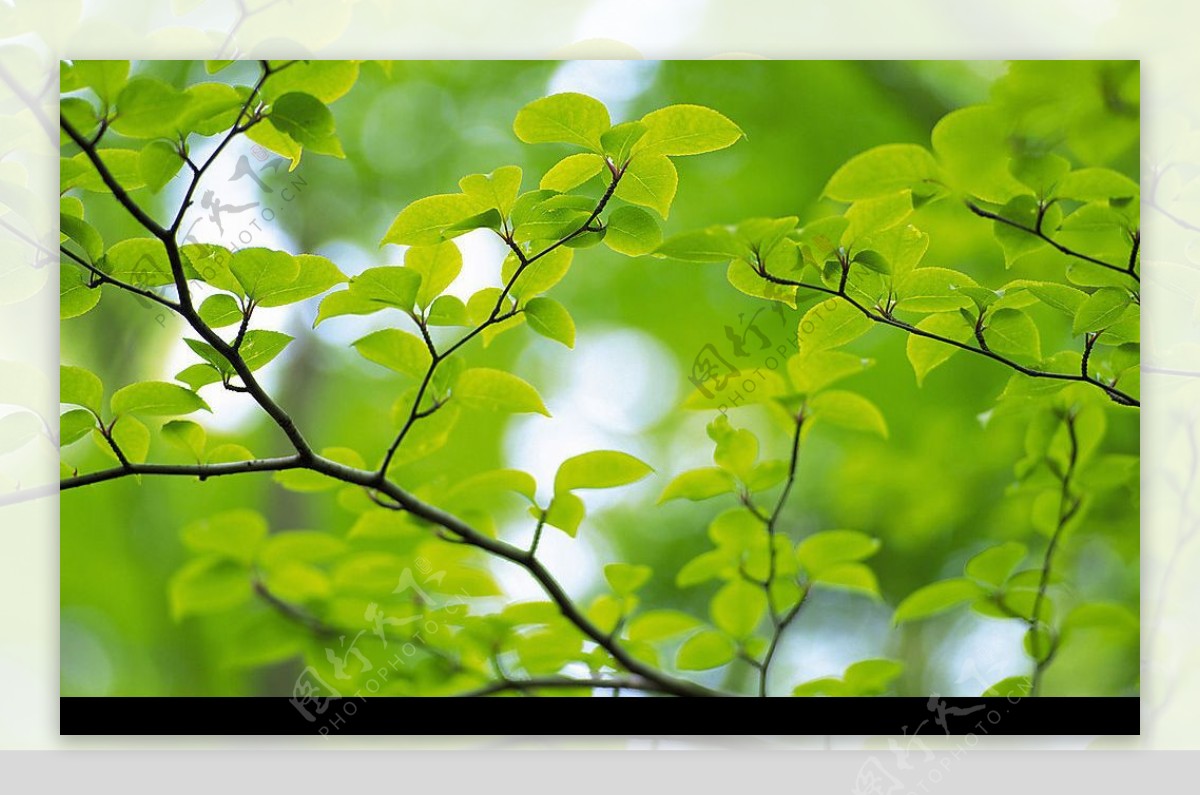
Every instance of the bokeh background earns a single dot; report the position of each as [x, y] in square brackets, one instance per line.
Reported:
[934, 492]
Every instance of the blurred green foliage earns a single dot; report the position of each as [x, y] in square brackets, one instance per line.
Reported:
[879, 516]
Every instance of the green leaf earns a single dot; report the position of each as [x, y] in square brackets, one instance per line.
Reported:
[850, 576]
[156, 398]
[702, 568]
[746, 280]
[618, 142]
[686, 130]
[483, 487]
[316, 275]
[389, 285]
[824, 327]
[130, 435]
[395, 350]
[551, 319]
[447, 310]
[106, 78]
[829, 548]
[148, 108]
[300, 546]
[1095, 184]
[306, 120]
[872, 677]
[698, 484]
[211, 108]
[158, 163]
[599, 469]
[80, 387]
[220, 310]
[659, 625]
[715, 244]
[236, 535]
[563, 118]
[497, 190]
[649, 180]
[848, 410]
[933, 290]
[208, 585]
[84, 234]
[1010, 687]
[736, 450]
[186, 436]
[813, 372]
[75, 297]
[80, 114]
[1013, 332]
[140, 261]
[262, 272]
[422, 222]
[1101, 309]
[632, 231]
[876, 214]
[260, 346]
[78, 171]
[539, 276]
[705, 650]
[566, 512]
[485, 388]
[738, 608]
[936, 598]
[437, 266]
[926, 354]
[572, 171]
[1059, 296]
[974, 146]
[74, 425]
[995, 565]
[325, 80]
[882, 170]
[626, 578]
[267, 135]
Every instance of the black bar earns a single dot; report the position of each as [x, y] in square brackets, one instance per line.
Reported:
[1042, 716]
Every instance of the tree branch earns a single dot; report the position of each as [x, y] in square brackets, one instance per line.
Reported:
[1038, 233]
[1115, 394]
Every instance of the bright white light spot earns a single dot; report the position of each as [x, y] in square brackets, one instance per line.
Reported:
[615, 83]
[482, 254]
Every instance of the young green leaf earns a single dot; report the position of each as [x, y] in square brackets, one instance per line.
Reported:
[686, 130]
[626, 578]
[80, 387]
[496, 191]
[1013, 332]
[306, 120]
[698, 484]
[600, 469]
[563, 118]
[220, 310]
[262, 272]
[829, 548]
[422, 222]
[208, 585]
[738, 608]
[705, 650]
[660, 625]
[995, 565]
[389, 285]
[1101, 309]
[395, 350]
[156, 398]
[619, 142]
[315, 275]
[236, 535]
[936, 598]
[74, 425]
[485, 388]
[848, 410]
[186, 436]
[715, 244]
[926, 354]
[551, 319]
[824, 326]
[572, 171]
[158, 163]
[437, 266]
[649, 180]
[148, 108]
[632, 231]
[882, 170]
[566, 512]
